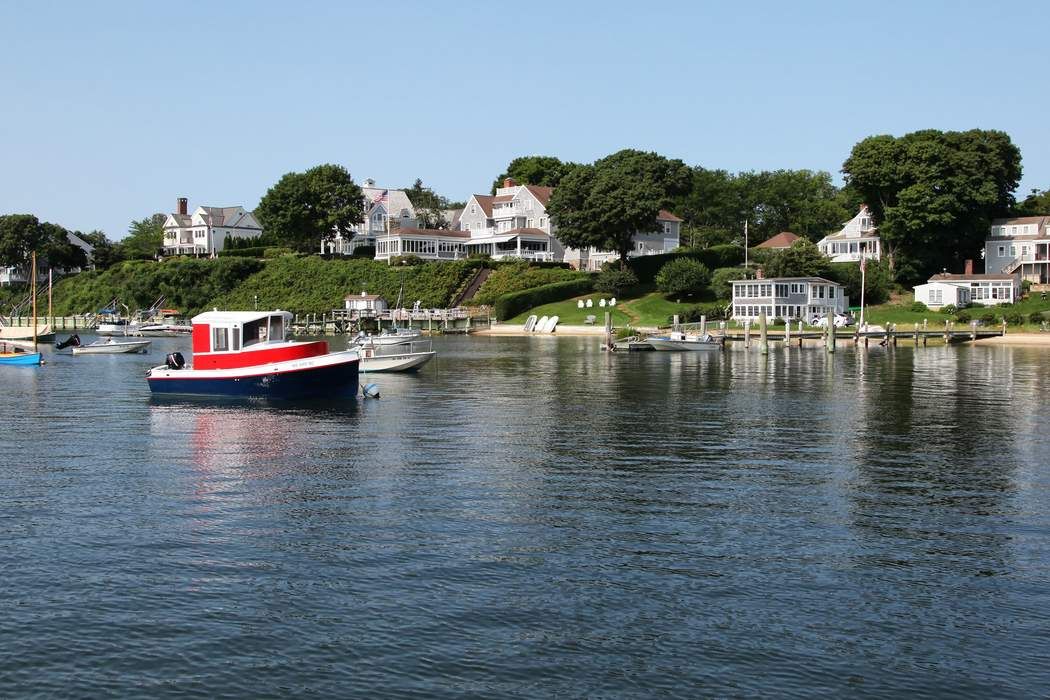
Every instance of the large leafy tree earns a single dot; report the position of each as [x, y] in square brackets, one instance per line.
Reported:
[430, 207]
[20, 235]
[535, 170]
[106, 253]
[802, 259]
[605, 204]
[305, 208]
[802, 201]
[1035, 204]
[145, 237]
[57, 251]
[933, 193]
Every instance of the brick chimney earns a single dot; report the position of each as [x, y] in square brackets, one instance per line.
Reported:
[183, 204]
[509, 182]
[968, 268]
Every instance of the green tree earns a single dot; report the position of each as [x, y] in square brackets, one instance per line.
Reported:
[20, 235]
[430, 207]
[57, 251]
[145, 238]
[305, 208]
[683, 276]
[605, 204]
[933, 193]
[722, 281]
[802, 259]
[612, 280]
[1035, 204]
[105, 253]
[535, 170]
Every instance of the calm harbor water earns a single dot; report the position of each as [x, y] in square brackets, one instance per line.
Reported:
[530, 517]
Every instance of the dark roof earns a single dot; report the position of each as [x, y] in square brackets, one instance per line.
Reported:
[526, 231]
[784, 239]
[1021, 220]
[541, 193]
[485, 202]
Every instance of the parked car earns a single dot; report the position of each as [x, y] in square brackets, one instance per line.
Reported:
[841, 321]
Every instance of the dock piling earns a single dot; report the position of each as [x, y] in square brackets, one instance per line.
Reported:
[764, 331]
[829, 338]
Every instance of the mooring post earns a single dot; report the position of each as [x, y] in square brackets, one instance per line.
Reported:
[703, 325]
[916, 335]
[764, 331]
[787, 332]
[830, 341]
[947, 337]
[1004, 327]
[747, 333]
[608, 330]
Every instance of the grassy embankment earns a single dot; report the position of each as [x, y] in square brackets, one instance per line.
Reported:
[646, 309]
[299, 284]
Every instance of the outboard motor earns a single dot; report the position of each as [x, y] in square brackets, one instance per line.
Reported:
[71, 341]
[175, 360]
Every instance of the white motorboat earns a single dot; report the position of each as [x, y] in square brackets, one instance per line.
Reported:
[163, 330]
[393, 336]
[679, 341]
[112, 346]
[406, 357]
[116, 326]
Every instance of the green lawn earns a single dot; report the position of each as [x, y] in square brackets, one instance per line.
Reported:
[650, 309]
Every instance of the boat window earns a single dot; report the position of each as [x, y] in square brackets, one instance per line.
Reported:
[236, 344]
[277, 327]
[255, 332]
[219, 340]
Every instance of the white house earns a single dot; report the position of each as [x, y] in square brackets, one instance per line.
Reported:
[1019, 245]
[665, 239]
[787, 298]
[858, 239]
[379, 205]
[986, 290]
[206, 230]
[939, 293]
[14, 275]
[513, 223]
[365, 304]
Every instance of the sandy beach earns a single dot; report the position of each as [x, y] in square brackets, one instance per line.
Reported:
[1027, 339]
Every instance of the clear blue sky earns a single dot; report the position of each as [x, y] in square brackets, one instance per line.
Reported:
[111, 110]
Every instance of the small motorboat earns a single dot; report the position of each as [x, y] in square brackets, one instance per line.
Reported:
[163, 330]
[116, 326]
[406, 357]
[393, 336]
[111, 346]
[247, 354]
[678, 341]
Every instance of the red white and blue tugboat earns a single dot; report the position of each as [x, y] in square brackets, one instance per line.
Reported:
[247, 354]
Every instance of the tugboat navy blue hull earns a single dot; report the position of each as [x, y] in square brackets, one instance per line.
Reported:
[320, 382]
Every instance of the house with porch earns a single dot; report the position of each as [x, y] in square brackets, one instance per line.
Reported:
[17, 275]
[938, 293]
[789, 298]
[664, 240]
[857, 239]
[383, 209]
[1021, 246]
[986, 289]
[206, 230]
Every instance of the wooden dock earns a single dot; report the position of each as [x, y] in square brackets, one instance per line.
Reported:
[434, 321]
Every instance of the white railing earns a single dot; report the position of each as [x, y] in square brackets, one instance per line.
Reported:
[1009, 267]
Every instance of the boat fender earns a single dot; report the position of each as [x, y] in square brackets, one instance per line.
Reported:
[370, 391]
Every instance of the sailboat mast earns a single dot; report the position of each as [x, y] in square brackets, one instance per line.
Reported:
[32, 282]
[50, 311]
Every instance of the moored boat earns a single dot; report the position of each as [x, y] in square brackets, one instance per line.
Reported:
[679, 341]
[405, 357]
[247, 354]
[11, 353]
[163, 330]
[111, 346]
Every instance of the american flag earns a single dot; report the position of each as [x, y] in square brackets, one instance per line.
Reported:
[380, 198]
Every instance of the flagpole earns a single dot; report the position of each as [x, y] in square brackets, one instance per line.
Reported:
[863, 270]
[745, 246]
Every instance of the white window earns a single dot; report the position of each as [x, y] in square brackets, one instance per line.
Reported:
[473, 209]
[543, 222]
[1013, 251]
[936, 296]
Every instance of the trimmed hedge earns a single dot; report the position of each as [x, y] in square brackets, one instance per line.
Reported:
[254, 252]
[646, 267]
[510, 305]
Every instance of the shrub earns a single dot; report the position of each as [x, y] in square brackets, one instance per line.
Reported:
[364, 251]
[277, 252]
[1036, 318]
[1014, 318]
[722, 281]
[962, 317]
[1026, 286]
[714, 311]
[918, 307]
[646, 267]
[520, 275]
[949, 309]
[246, 252]
[683, 276]
[615, 281]
[409, 260]
[510, 305]
[989, 318]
